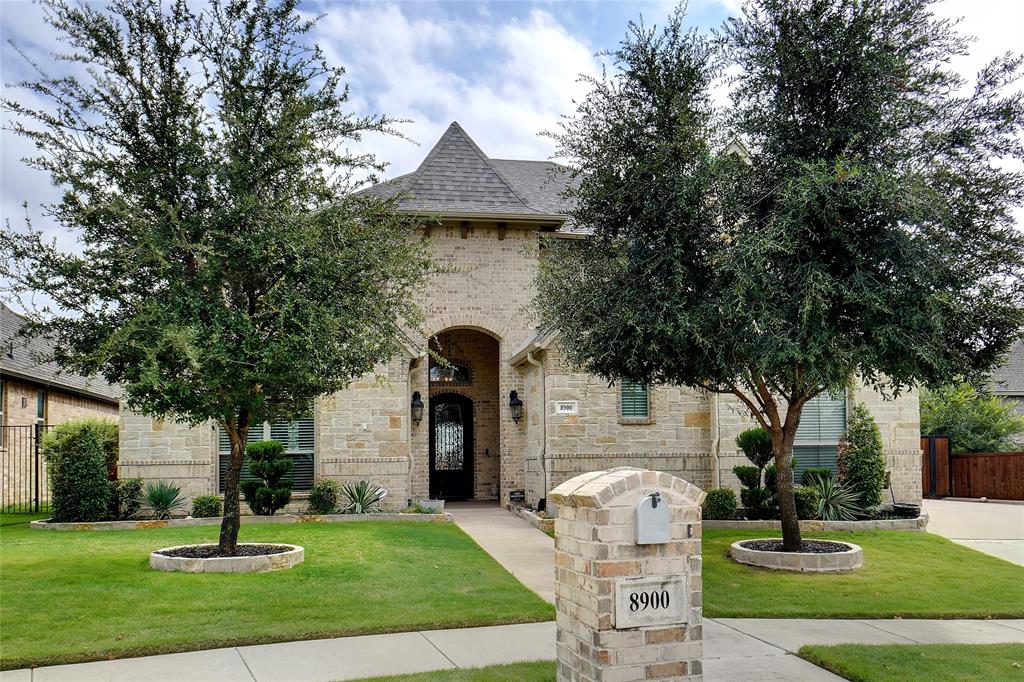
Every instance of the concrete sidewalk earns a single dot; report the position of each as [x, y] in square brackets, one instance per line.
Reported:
[991, 527]
[524, 551]
[735, 650]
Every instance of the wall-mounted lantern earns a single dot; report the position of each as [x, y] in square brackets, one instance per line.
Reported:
[515, 405]
[417, 408]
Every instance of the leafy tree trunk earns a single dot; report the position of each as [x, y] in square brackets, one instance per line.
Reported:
[782, 448]
[238, 432]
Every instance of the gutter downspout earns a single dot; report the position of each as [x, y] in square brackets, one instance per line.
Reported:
[716, 444]
[543, 425]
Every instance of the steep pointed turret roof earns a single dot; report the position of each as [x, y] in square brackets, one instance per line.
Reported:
[458, 179]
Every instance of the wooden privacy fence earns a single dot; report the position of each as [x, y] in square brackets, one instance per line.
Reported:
[935, 466]
[996, 475]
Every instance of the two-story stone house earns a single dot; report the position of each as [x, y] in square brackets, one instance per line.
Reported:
[472, 439]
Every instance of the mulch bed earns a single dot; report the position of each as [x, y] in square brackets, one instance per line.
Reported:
[806, 546]
[213, 551]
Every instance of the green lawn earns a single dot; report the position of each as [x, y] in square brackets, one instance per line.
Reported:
[536, 671]
[920, 662]
[913, 575]
[78, 596]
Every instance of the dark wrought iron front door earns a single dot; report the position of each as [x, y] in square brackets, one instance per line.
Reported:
[451, 447]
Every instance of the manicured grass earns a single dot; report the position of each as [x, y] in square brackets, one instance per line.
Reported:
[535, 671]
[79, 596]
[908, 574]
[920, 662]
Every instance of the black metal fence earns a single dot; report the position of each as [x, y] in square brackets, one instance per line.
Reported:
[24, 487]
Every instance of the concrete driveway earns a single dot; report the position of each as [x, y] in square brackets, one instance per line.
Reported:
[995, 528]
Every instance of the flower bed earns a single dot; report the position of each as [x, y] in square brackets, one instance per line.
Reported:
[542, 523]
[816, 556]
[215, 521]
[251, 558]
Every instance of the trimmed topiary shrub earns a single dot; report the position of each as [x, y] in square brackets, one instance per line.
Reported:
[758, 504]
[750, 477]
[205, 506]
[756, 444]
[861, 460]
[720, 503]
[77, 455]
[269, 464]
[323, 498]
[125, 498]
[810, 473]
[807, 502]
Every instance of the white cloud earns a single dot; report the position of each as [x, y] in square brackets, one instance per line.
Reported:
[523, 77]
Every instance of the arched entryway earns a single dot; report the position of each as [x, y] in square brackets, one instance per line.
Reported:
[464, 427]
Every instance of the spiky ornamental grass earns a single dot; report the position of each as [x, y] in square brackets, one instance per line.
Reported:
[848, 215]
[227, 273]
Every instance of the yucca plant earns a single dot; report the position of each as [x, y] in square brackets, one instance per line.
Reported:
[837, 503]
[362, 497]
[161, 499]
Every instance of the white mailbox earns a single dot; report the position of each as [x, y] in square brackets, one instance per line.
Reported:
[652, 518]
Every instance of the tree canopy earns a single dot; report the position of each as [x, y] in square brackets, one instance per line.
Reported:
[226, 270]
[848, 214]
[973, 418]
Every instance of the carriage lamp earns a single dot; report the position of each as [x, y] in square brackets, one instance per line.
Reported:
[417, 408]
[516, 406]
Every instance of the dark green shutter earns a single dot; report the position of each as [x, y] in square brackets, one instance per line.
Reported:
[635, 403]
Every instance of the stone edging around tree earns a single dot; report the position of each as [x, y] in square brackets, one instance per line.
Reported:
[805, 562]
[918, 524]
[246, 520]
[259, 563]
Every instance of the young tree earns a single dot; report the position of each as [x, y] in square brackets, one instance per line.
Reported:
[226, 273]
[974, 419]
[862, 229]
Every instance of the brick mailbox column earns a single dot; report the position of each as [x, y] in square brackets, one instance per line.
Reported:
[628, 577]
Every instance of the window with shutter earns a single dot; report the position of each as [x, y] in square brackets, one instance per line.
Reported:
[634, 401]
[297, 437]
[822, 424]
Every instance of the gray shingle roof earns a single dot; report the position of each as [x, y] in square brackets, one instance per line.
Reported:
[1008, 379]
[457, 177]
[26, 359]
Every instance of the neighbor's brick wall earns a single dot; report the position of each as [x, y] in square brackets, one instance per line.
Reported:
[17, 464]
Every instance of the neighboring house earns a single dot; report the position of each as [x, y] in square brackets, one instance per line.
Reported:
[469, 442]
[35, 391]
[1007, 380]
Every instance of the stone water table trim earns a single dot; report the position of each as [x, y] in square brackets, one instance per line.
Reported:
[145, 524]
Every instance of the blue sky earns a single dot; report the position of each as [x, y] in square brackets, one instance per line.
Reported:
[505, 70]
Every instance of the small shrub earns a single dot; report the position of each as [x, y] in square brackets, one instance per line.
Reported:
[807, 502]
[418, 508]
[77, 460]
[756, 444]
[362, 497]
[750, 477]
[758, 503]
[125, 498]
[861, 460]
[836, 502]
[810, 473]
[161, 499]
[205, 506]
[269, 464]
[720, 503]
[323, 498]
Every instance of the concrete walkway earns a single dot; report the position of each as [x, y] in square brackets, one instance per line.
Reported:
[735, 650]
[524, 551]
[991, 527]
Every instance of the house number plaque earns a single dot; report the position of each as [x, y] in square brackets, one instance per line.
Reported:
[654, 600]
